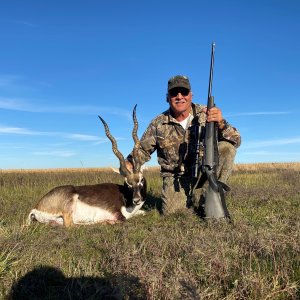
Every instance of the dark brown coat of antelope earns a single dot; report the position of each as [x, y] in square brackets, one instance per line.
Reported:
[100, 203]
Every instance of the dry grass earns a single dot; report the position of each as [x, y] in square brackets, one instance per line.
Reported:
[238, 167]
[56, 170]
[154, 257]
[295, 166]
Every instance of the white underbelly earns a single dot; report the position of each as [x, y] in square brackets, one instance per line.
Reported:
[87, 214]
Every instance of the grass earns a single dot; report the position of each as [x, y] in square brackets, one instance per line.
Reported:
[153, 257]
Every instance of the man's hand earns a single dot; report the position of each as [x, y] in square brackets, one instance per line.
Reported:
[214, 115]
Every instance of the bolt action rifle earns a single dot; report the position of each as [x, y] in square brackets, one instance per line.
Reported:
[214, 205]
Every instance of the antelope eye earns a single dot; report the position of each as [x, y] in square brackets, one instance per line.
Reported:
[128, 184]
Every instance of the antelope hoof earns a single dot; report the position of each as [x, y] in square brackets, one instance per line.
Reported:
[32, 218]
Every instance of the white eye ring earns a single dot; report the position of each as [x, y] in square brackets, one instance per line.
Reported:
[129, 185]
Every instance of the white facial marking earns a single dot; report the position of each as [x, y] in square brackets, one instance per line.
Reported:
[128, 183]
[141, 178]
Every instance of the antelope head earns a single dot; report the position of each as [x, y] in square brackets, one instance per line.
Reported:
[134, 178]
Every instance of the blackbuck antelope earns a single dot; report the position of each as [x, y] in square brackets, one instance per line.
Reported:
[100, 203]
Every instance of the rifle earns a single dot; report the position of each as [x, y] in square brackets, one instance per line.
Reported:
[214, 206]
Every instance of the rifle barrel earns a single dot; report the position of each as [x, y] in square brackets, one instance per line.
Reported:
[210, 131]
[210, 103]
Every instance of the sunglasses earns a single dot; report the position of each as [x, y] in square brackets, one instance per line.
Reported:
[183, 91]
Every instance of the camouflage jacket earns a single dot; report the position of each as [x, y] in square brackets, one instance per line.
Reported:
[176, 146]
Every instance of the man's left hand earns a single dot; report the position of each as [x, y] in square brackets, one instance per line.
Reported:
[213, 115]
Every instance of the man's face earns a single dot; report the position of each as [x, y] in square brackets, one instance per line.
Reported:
[180, 100]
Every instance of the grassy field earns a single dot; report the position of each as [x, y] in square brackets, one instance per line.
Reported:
[154, 257]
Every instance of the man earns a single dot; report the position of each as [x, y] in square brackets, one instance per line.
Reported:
[173, 135]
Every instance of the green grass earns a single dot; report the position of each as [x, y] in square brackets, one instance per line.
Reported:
[153, 257]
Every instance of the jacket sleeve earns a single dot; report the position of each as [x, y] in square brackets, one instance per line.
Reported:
[147, 145]
[230, 134]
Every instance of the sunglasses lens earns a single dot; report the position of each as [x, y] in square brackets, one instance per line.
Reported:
[174, 92]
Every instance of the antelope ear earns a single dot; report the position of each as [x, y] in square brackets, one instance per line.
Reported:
[116, 170]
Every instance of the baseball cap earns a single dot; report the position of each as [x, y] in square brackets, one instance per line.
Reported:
[179, 81]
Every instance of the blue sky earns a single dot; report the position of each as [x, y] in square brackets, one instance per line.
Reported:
[63, 63]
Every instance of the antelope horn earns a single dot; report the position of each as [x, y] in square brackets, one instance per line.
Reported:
[137, 165]
[115, 150]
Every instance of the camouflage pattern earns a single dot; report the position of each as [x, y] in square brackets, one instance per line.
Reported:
[175, 145]
[176, 190]
[227, 154]
[176, 148]
[179, 81]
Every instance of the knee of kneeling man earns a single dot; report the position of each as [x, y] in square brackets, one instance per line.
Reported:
[226, 149]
